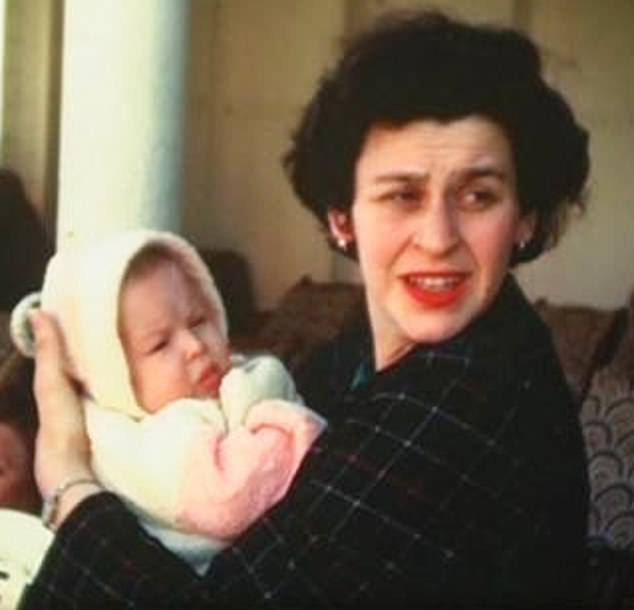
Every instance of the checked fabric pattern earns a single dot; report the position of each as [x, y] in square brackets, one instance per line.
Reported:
[455, 478]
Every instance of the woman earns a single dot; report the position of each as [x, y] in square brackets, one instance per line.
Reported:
[452, 470]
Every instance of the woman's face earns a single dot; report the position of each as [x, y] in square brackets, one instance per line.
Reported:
[435, 218]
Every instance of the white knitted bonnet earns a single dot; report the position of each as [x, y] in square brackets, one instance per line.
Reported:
[81, 289]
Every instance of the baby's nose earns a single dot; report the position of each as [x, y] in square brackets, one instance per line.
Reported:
[193, 344]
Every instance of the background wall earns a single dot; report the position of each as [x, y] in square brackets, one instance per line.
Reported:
[590, 55]
[32, 81]
[253, 66]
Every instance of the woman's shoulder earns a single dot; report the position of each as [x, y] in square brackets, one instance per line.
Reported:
[508, 346]
[327, 372]
[510, 331]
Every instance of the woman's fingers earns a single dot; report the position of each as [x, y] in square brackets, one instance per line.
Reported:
[52, 386]
[62, 450]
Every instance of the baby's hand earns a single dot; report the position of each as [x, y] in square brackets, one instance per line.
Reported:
[259, 378]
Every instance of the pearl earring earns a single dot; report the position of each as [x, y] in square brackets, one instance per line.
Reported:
[341, 242]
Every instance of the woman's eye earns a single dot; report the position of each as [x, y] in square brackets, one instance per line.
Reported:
[406, 198]
[478, 199]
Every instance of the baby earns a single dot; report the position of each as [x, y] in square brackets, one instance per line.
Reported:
[198, 441]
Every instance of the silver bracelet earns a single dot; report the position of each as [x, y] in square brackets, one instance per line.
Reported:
[51, 504]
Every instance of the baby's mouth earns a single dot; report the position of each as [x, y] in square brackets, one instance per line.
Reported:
[208, 383]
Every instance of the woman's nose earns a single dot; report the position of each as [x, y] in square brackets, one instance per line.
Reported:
[437, 230]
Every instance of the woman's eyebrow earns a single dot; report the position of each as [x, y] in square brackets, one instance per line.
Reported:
[476, 171]
[485, 171]
[401, 177]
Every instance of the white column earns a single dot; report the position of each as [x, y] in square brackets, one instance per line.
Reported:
[122, 118]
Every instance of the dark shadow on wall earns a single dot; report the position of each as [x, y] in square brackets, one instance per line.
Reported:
[25, 246]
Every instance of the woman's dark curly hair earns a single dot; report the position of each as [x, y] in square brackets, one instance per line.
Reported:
[425, 65]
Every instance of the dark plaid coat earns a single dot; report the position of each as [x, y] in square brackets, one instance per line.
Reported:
[455, 477]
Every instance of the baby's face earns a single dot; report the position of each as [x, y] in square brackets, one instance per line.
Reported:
[170, 338]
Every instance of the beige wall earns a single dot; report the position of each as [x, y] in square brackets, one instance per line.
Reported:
[253, 65]
[589, 49]
[31, 97]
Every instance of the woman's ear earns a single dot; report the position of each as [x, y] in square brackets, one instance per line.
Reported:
[526, 228]
[341, 229]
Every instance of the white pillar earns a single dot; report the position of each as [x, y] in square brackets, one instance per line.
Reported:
[122, 118]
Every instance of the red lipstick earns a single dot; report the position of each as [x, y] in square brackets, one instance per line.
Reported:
[436, 290]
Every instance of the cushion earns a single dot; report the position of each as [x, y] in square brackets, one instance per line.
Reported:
[607, 417]
[584, 338]
[232, 275]
[308, 314]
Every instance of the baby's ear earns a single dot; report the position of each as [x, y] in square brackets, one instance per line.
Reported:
[20, 324]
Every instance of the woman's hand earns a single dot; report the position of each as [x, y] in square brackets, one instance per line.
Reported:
[62, 447]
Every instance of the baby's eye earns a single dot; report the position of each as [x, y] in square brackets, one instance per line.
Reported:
[154, 344]
[157, 346]
[197, 320]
